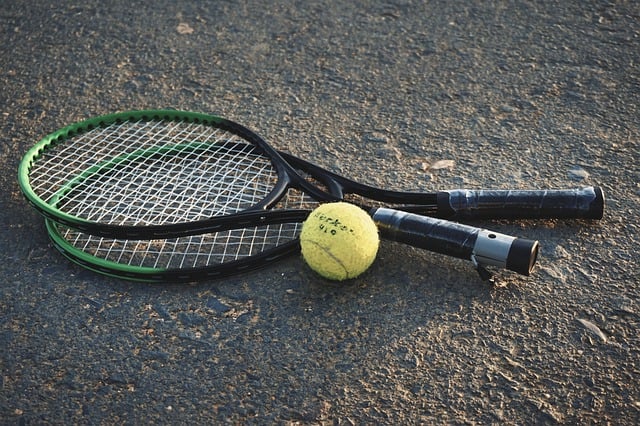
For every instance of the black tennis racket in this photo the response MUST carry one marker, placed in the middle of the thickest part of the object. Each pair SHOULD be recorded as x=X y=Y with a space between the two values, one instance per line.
x=168 y=174
x=256 y=239
x=160 y=174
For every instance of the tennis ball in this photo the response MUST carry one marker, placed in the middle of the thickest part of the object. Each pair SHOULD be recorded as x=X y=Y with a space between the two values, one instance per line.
x=339 y=241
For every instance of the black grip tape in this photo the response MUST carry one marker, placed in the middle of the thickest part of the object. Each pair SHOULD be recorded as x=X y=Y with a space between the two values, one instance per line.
x=582 y=203
x=437 y=235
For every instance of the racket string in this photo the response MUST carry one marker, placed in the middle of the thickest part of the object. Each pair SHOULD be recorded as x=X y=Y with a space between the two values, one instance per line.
x=67 y=159
x=197 y=251
x=185 y=252
x=153 y=170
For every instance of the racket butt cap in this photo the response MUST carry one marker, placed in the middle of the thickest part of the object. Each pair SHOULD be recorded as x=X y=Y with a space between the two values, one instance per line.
x=596 y=208
x=504 y=251
x=522 y=256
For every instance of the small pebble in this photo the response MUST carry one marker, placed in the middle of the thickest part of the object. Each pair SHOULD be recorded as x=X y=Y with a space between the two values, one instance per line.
x=593 y=329
x=442 y=164
x=216 y=305
x=578 y=173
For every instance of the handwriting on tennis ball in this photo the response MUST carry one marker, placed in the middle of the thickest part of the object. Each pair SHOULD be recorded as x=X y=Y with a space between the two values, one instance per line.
x=330 y=225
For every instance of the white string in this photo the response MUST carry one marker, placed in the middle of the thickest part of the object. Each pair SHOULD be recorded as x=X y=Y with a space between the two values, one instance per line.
x=180 y=185
x=197 y=250
x=186 y=184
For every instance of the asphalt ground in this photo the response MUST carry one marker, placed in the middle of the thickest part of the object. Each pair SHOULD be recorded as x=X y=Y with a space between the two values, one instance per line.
x=508 y=94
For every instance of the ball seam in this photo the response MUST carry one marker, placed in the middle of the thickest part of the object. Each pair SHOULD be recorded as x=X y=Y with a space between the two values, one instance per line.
x=332 y=256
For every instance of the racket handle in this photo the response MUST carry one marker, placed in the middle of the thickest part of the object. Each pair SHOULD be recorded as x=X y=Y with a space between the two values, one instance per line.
x=582 y=203
x=482 y=247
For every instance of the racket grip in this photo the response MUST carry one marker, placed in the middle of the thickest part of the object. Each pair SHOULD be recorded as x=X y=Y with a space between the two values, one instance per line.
x=582 y=203
x=482 y=247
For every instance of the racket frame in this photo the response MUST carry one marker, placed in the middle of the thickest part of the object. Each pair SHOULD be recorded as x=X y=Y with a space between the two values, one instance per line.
x=193 y=273
x=287 y=177
x=585 y=203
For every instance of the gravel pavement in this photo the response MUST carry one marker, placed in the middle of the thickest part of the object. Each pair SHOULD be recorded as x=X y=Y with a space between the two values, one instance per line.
x=405 y=94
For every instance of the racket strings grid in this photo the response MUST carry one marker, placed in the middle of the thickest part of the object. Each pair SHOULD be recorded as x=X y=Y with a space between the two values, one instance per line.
x=147 y=172
x=212 y=252
x=196 y=251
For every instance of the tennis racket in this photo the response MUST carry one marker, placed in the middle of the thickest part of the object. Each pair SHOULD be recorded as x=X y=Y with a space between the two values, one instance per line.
x=161 y=174
x=256 y=239
x=167 y=174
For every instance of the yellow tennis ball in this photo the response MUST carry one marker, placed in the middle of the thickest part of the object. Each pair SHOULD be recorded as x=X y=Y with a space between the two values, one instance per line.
x=339 y=241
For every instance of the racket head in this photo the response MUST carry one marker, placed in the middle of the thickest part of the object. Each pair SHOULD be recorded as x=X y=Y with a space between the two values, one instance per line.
x=151 y=173
x=255 y=240
x=183 y=259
